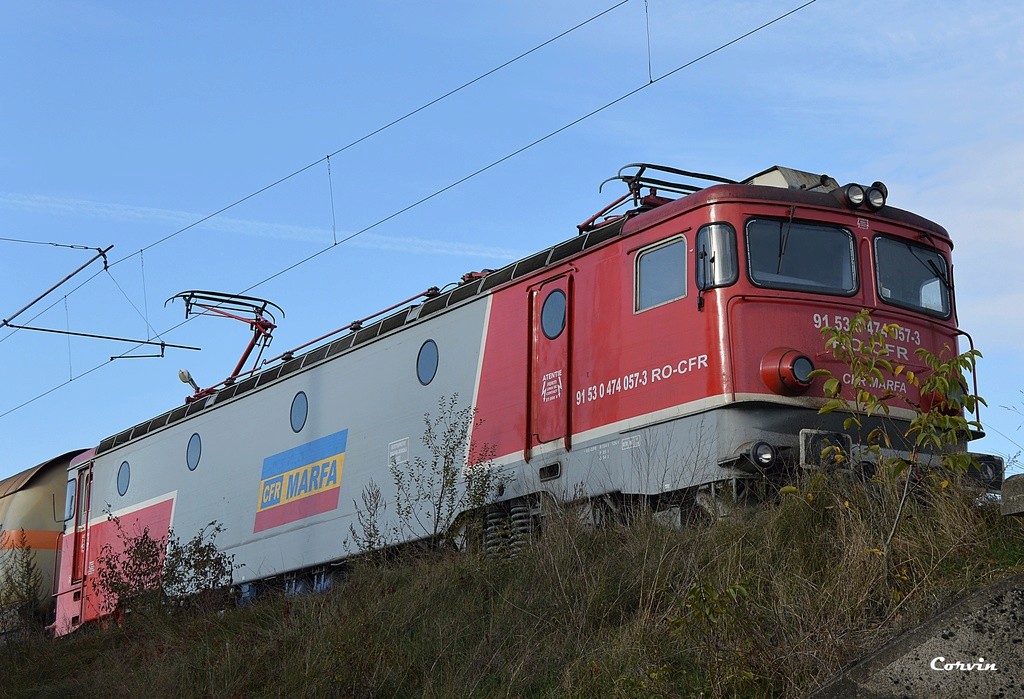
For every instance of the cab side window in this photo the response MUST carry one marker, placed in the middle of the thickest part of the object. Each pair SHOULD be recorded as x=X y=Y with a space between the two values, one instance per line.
x=716 y=263
x=660 y=274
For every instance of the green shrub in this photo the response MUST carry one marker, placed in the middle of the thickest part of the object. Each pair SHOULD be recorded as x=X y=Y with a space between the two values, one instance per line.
x=21 y=604
x=145 y=575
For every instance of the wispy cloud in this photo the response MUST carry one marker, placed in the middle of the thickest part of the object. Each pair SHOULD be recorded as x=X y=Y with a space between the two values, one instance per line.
x=237 y=226
x=972 y=193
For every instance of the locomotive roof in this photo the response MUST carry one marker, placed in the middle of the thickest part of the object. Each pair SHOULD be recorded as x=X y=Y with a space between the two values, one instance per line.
x=464 y=291
x=774 y=184
x=788 y=186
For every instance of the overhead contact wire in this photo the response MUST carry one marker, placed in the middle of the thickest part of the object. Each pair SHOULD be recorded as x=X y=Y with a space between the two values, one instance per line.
x=334 y=218
x=315 y=163
x=443 y=189
x=42 y=242
x=647 y=22
x=378 y=130
x=527 y=147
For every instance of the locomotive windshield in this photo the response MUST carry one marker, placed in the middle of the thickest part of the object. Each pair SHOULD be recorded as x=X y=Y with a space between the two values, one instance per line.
x=785 y=254
x=912 y=276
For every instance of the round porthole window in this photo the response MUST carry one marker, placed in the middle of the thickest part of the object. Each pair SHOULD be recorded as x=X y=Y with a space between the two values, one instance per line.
x=194 y=451
x=300 y=408
x=552 y=314
x=426 y=362
x=124 y=475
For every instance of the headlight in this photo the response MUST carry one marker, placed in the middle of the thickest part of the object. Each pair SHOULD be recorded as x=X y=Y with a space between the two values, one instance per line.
x=876 y=195
x=786 y=371
x=763 y=454
x=801 y=368
x=854 y=195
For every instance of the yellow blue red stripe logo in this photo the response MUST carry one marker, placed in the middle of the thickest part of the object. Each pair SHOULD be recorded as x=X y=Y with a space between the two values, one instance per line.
x=301 y=482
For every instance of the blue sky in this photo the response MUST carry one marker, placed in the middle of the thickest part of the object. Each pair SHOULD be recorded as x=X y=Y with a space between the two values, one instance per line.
x=122 y=123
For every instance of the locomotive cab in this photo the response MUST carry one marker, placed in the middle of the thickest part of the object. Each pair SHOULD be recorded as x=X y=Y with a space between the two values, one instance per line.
x=696 y=329
x=776 y=260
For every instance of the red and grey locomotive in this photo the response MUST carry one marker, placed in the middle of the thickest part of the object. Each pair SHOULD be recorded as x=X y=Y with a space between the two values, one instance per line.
x=662 y=355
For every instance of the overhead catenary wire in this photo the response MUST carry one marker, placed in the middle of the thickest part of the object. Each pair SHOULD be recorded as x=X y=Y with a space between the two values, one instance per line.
x=151 y=331
x=334 y=218
x=327 y=158
x=67 y=325
x=85 y=373
x=43 y=242
x=381 y=129
x=330 y=155
x=138 y=343
x=647 y=24
x=527 y=147
x=442 y=190
x=145 y=296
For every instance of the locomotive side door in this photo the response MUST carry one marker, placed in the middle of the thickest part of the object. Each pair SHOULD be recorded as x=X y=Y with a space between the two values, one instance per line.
x=550 y=341
x=81 y=523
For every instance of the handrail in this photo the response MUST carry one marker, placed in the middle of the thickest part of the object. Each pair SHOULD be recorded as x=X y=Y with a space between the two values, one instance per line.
x=974 y=377
x=57 y=555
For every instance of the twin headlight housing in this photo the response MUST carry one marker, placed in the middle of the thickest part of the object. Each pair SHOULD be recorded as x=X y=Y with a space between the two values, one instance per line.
x=858 y=196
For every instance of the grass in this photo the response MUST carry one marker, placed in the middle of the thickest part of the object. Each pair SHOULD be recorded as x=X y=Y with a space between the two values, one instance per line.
x=769 y=603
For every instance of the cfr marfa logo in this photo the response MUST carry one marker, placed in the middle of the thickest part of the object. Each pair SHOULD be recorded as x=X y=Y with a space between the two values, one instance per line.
x=301 y=482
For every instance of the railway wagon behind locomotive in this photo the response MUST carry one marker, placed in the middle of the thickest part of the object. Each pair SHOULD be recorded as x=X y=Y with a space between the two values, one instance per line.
x=31 y=507
x=663 y=354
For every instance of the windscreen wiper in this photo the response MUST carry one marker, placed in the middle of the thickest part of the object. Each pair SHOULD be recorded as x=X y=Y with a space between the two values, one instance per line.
x=784 y=239
x=932 y=267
